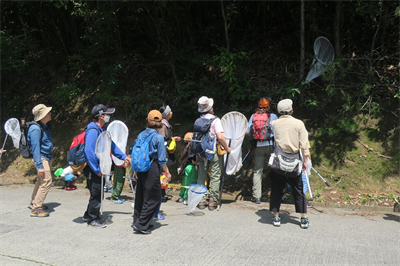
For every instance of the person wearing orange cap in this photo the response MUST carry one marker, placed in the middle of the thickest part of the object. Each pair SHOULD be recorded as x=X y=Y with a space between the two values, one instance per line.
x=148 y=186
x=263 y=139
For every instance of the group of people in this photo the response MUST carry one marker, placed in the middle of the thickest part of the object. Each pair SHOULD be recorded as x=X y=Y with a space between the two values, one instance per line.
x=288 y=133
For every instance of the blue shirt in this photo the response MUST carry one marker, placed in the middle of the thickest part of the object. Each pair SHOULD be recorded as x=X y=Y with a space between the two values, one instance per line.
x=41 y=147
x=90 y=147
x=157 y=149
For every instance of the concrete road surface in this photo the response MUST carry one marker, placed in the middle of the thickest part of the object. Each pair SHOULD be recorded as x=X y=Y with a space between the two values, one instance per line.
x=240 y=233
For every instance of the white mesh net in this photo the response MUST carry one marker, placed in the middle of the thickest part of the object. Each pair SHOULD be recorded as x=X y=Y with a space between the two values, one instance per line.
x=234 y=125
x=103 y=152
x=119 y=135
x=195 y=193
x=12 y=128
x=324 y=55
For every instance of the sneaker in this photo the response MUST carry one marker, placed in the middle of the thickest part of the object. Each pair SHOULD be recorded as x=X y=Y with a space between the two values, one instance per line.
x=276 y=221
x=257 y=201
x=304 y=223
x=73 y=188
x=118 y=201
x=85 y=218
x=158 y=217
x=43 y=207
x=185 y=202
x=168 y=197
x=97 y=224
x=202 y=205
x=39 y=213
x=180 y=200
x=146 y=232
x=212 y=205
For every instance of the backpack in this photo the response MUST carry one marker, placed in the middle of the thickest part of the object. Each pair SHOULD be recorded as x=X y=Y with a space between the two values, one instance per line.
x=203 y=142
x=140 y=154
x=23 y=141
x=261 y=127
x=76 y=154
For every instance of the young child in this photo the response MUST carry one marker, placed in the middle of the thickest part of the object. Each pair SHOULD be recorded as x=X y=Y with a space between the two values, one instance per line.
x=188 y=169
x=68 y=175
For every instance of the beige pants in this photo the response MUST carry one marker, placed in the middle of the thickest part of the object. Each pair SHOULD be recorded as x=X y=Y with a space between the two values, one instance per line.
x=42 y=186
x=260 y=158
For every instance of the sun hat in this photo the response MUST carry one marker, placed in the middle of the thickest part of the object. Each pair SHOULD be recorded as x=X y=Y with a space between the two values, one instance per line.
x=188 y=136
x=40 y=111
x=154 y=115
x=285 y=106
x=205 y=104
x=100 y=109
x=263 y=102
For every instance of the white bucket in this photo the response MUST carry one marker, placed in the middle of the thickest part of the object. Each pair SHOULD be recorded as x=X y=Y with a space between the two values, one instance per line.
x=196 y=192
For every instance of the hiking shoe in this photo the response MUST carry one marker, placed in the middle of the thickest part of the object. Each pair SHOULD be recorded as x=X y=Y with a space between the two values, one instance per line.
x=304 y=223
x=118 y=201
x=39 y=213
x=202 y=205
x=97 y=224
x=145 y=232
x=180 y=200
x=212 y=205
x=43 y=207
x=158 y=217
x=276 y=221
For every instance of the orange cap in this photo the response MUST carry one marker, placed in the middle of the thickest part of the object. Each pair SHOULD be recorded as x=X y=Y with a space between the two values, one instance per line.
x=154 y=115
x=263 y=102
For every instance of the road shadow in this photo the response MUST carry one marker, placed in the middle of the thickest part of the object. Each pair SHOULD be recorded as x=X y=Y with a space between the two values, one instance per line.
x=391 y=217
x=266 y=217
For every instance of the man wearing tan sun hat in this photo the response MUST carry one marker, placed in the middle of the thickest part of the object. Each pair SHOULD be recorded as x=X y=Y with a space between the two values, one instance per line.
x=41 y=145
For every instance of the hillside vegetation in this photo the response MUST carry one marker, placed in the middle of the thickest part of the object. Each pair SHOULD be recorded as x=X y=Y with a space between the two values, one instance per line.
x=138 y=55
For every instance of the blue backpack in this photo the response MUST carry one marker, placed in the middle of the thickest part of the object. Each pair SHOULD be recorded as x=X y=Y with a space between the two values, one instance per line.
x=140 y=154
x=203 y=143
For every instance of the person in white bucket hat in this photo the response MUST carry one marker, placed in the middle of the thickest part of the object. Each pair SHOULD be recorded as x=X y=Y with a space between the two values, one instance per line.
x=41 y=145
x=205 y=107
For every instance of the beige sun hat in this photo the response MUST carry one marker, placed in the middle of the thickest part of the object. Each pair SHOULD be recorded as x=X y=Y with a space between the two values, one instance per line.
x=205 y=104
x=40 y=111
x=285 y=106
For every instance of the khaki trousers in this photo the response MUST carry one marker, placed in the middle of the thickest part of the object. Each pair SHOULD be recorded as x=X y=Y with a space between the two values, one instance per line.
x=42 y=186
x=261 y=156
x=215 y=165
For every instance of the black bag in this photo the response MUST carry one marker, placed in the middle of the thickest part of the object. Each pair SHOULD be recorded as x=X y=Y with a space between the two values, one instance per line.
x=285 y=163
x=23 y=141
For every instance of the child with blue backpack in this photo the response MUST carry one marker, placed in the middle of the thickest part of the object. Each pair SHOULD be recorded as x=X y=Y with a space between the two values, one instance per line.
x=148 y=158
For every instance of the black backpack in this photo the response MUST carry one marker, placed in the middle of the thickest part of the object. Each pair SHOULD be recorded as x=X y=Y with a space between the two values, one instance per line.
x=200 y=128
x=23 y=141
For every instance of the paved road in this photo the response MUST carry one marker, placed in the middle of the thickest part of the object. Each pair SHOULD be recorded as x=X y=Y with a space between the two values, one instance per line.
x=239 y=234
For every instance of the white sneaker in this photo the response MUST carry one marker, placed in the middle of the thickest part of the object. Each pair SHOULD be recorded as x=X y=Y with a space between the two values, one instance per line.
x=185 y=202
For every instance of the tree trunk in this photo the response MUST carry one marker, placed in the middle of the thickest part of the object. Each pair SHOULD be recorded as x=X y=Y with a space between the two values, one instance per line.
x=225 y=25
x=338 y=20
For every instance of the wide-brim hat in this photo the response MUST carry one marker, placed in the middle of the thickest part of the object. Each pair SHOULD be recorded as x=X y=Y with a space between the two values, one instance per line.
x=40 y=111
x=205 y=104
x=100 y=109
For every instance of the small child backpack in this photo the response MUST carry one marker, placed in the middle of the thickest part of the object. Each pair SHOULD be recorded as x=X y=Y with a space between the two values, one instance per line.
x=140 y=154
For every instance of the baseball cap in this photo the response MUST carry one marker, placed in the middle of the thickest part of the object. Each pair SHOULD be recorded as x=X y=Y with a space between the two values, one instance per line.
x=100 y=109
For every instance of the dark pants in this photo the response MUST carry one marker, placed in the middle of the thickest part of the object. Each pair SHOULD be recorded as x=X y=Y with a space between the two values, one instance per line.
x=147 y=198
x=278 y=183
x=94 y=186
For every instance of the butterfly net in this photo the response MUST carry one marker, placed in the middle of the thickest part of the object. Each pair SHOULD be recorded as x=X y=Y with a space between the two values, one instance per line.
x=195 y=193
x=12 y=128
x=119 y=135
x=103 y=152
x=324 y=55
x=234 y=125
